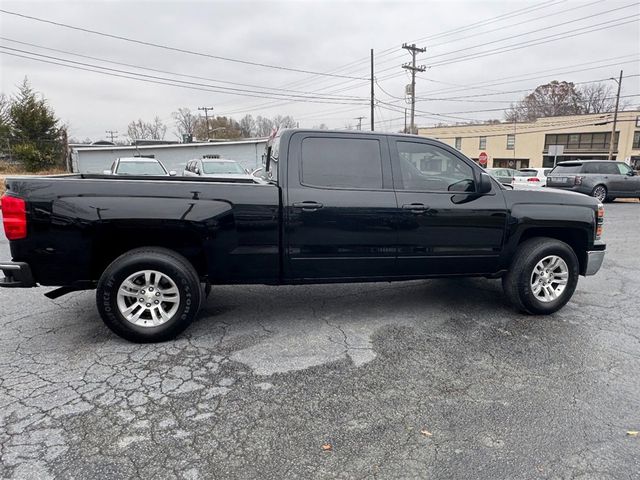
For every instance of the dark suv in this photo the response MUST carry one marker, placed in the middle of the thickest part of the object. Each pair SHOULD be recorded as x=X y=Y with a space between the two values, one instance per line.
x=603 y=179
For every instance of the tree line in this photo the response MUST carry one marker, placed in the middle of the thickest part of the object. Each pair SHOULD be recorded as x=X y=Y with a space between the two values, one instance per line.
x=31 y=134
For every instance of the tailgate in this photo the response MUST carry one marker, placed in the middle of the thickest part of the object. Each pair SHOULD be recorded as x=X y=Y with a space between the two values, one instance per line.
x=561 y=180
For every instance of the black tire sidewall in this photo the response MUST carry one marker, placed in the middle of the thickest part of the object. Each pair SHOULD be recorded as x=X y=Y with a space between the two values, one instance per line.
x=119 y=270
x=525 y=292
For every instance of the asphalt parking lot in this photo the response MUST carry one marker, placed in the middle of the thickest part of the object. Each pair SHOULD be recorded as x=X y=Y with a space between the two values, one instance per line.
x=423 y=379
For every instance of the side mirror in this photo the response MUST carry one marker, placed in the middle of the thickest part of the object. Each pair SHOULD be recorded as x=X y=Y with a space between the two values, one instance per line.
x=106 y=172
x=484 y=183
x=632 y=173
x=173 y=173
x=196 y=171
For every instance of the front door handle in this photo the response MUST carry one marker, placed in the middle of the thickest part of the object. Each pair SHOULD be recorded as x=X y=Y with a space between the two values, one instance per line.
x=308 y=206
x=416 y=208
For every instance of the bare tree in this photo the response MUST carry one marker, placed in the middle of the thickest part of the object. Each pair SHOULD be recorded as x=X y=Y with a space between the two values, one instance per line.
x=550 y=100
x=248 y=126
x=154 y=130
x=600 y=98
x=264 y=126
x=284 y=122
x=185 y=122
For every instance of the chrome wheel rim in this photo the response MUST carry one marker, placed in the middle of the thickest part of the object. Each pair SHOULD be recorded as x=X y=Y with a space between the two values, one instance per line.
x=549 y=278
x=148 y=298
x=600 y=193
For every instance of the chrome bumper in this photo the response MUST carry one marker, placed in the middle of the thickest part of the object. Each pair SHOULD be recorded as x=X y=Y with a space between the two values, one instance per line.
x=594 y=261
x=16 y=275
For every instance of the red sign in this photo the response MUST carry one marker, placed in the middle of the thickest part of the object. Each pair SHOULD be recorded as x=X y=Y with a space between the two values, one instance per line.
x=482 y=158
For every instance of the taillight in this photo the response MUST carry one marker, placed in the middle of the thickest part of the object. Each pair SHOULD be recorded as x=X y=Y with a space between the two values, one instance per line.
x=599 y=221
x=533 y=179
x=14 y=217
x=577 y=180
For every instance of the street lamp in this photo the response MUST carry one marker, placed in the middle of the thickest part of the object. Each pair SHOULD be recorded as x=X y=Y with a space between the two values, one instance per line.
x=615 y=116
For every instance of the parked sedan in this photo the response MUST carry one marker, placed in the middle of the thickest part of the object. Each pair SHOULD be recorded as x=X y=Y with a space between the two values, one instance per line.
x=605 y=180
x=503 y=175
x=217 y=168
x=536 y=177
x=138 y=166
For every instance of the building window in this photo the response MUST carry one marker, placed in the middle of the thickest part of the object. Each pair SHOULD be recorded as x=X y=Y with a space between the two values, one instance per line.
x=483 y=143
x=636 y=140
x=511 y=141
x=459 y=143
x=581 y=141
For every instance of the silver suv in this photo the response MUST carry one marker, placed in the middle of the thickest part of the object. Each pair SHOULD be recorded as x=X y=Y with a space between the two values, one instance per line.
x=603 y=179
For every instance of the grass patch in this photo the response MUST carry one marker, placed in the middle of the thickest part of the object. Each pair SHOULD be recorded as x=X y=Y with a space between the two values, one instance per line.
x=12 y=169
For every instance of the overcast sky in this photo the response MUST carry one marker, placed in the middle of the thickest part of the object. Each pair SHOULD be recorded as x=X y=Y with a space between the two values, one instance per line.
x=316 y=37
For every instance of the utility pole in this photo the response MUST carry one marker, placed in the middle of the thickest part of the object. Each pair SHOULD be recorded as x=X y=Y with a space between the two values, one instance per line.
x=206 y=116
x=405 y=121
x=359 y=122
x=615 y=117
x=112 y=133
x=372 y=91
x=413 y=50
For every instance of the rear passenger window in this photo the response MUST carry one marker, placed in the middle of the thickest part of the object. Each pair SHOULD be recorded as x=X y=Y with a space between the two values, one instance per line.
x=341 y=162
x=609 y=168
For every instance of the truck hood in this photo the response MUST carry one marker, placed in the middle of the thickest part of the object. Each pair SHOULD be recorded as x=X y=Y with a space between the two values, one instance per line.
x=550 y=196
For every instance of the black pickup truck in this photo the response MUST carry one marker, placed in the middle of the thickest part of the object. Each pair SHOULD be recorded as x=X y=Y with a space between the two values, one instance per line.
x=331 y=207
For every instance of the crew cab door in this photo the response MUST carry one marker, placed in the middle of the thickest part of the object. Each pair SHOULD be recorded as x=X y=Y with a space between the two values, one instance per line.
x=444 y=226
x=339 y=207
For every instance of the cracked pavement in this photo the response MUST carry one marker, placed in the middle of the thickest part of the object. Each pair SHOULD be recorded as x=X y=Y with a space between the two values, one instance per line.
x=267 y=375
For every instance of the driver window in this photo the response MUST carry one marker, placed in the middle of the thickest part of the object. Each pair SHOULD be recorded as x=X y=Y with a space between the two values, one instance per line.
x=430 y=168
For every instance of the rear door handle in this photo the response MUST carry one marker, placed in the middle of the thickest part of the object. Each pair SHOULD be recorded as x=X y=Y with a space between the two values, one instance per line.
x=308 y=206
x=415 y=207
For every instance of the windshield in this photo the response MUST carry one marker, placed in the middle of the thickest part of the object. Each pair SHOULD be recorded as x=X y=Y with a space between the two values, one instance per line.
x=222 y=168
x=529 y=173
x=140 y=168
x=571 y=168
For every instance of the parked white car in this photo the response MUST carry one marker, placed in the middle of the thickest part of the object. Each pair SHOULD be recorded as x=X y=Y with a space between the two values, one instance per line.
x=217 y=168
x=138 y=166
x=534 y=177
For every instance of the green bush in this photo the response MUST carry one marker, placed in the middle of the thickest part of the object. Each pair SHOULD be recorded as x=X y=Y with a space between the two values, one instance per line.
x=32 y=158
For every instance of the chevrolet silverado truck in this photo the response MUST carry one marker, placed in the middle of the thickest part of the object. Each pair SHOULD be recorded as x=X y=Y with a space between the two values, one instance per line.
x=330 y=207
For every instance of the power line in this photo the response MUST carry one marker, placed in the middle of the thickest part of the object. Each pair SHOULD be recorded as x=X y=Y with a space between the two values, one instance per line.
x=529 y=77
x=66 y=52
x=534 y=31
x=181 y=85
x=534 y=42
x=174 y=49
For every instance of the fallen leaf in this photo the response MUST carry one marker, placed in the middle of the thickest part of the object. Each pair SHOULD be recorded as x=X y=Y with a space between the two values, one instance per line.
x=632 y=433
x=327 y=447
x=426 y=432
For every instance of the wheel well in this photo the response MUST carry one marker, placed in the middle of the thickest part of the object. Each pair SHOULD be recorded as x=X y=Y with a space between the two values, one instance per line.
x=112 y=246
x=578 y=240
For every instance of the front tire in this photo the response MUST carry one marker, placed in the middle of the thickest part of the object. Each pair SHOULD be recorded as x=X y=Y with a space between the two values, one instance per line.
x=149 y=295
x=543 y=276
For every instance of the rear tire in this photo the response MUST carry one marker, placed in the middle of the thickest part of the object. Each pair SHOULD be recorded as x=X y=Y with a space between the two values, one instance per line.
x=149 y=294
x=600 y=193
x=543 y=276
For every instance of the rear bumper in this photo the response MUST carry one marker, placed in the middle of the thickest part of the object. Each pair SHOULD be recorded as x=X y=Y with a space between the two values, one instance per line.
x=594 y=261
x=16 y=275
